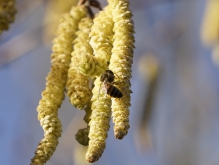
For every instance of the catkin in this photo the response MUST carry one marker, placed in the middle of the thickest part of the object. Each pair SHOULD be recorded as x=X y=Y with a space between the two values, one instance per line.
x=101 y=42
x=210 y=24
x=53 y=94
x=121 y=62
x=99 y=123
x=78 y=89
x=7 y=13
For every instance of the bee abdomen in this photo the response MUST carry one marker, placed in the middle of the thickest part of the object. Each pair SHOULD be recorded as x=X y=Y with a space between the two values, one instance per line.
x=114 y=92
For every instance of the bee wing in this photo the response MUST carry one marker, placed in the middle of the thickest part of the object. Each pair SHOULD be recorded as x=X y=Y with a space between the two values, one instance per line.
x=103 y=87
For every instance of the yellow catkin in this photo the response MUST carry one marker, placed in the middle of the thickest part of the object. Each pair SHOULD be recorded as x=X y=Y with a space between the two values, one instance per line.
x=210 y=24
x=101 y=42
x=78 y=89
x=7 y=13
x=99 y=123
x=121 y=62
x=53 y=94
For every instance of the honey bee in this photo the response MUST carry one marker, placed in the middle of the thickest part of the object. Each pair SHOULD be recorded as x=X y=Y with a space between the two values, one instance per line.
x=108 y=80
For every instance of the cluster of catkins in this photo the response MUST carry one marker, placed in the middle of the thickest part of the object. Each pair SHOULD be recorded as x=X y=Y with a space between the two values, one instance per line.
x=83 y=50
x=7 y=13
x=210 y=28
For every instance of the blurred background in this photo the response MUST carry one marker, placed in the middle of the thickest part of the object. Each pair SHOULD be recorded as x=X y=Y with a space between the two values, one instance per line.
x=174 y=116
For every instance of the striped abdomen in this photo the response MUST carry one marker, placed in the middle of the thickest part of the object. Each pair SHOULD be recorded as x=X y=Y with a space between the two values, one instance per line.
x=113 y=91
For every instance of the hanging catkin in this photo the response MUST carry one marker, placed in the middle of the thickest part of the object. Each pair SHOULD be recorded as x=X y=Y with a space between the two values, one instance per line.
x=78 y=89
x=121 y=62
x=101 y=41
x=53 y=94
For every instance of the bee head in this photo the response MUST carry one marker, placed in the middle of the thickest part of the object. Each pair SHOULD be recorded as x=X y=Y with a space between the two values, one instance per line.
x=108 y=76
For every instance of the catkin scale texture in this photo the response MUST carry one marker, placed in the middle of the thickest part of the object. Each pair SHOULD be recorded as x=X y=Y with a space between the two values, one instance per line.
x=53 y=94
x=78 y=89
x=101 y=36
x=101 y=42
x=99 y=122
x=121 y=62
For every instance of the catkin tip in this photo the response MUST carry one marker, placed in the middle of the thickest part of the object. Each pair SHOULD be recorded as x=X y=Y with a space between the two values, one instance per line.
x=92 y=158
x=119 y=134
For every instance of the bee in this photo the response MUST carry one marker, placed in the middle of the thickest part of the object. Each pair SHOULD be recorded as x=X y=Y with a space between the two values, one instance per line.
x=107 y=79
